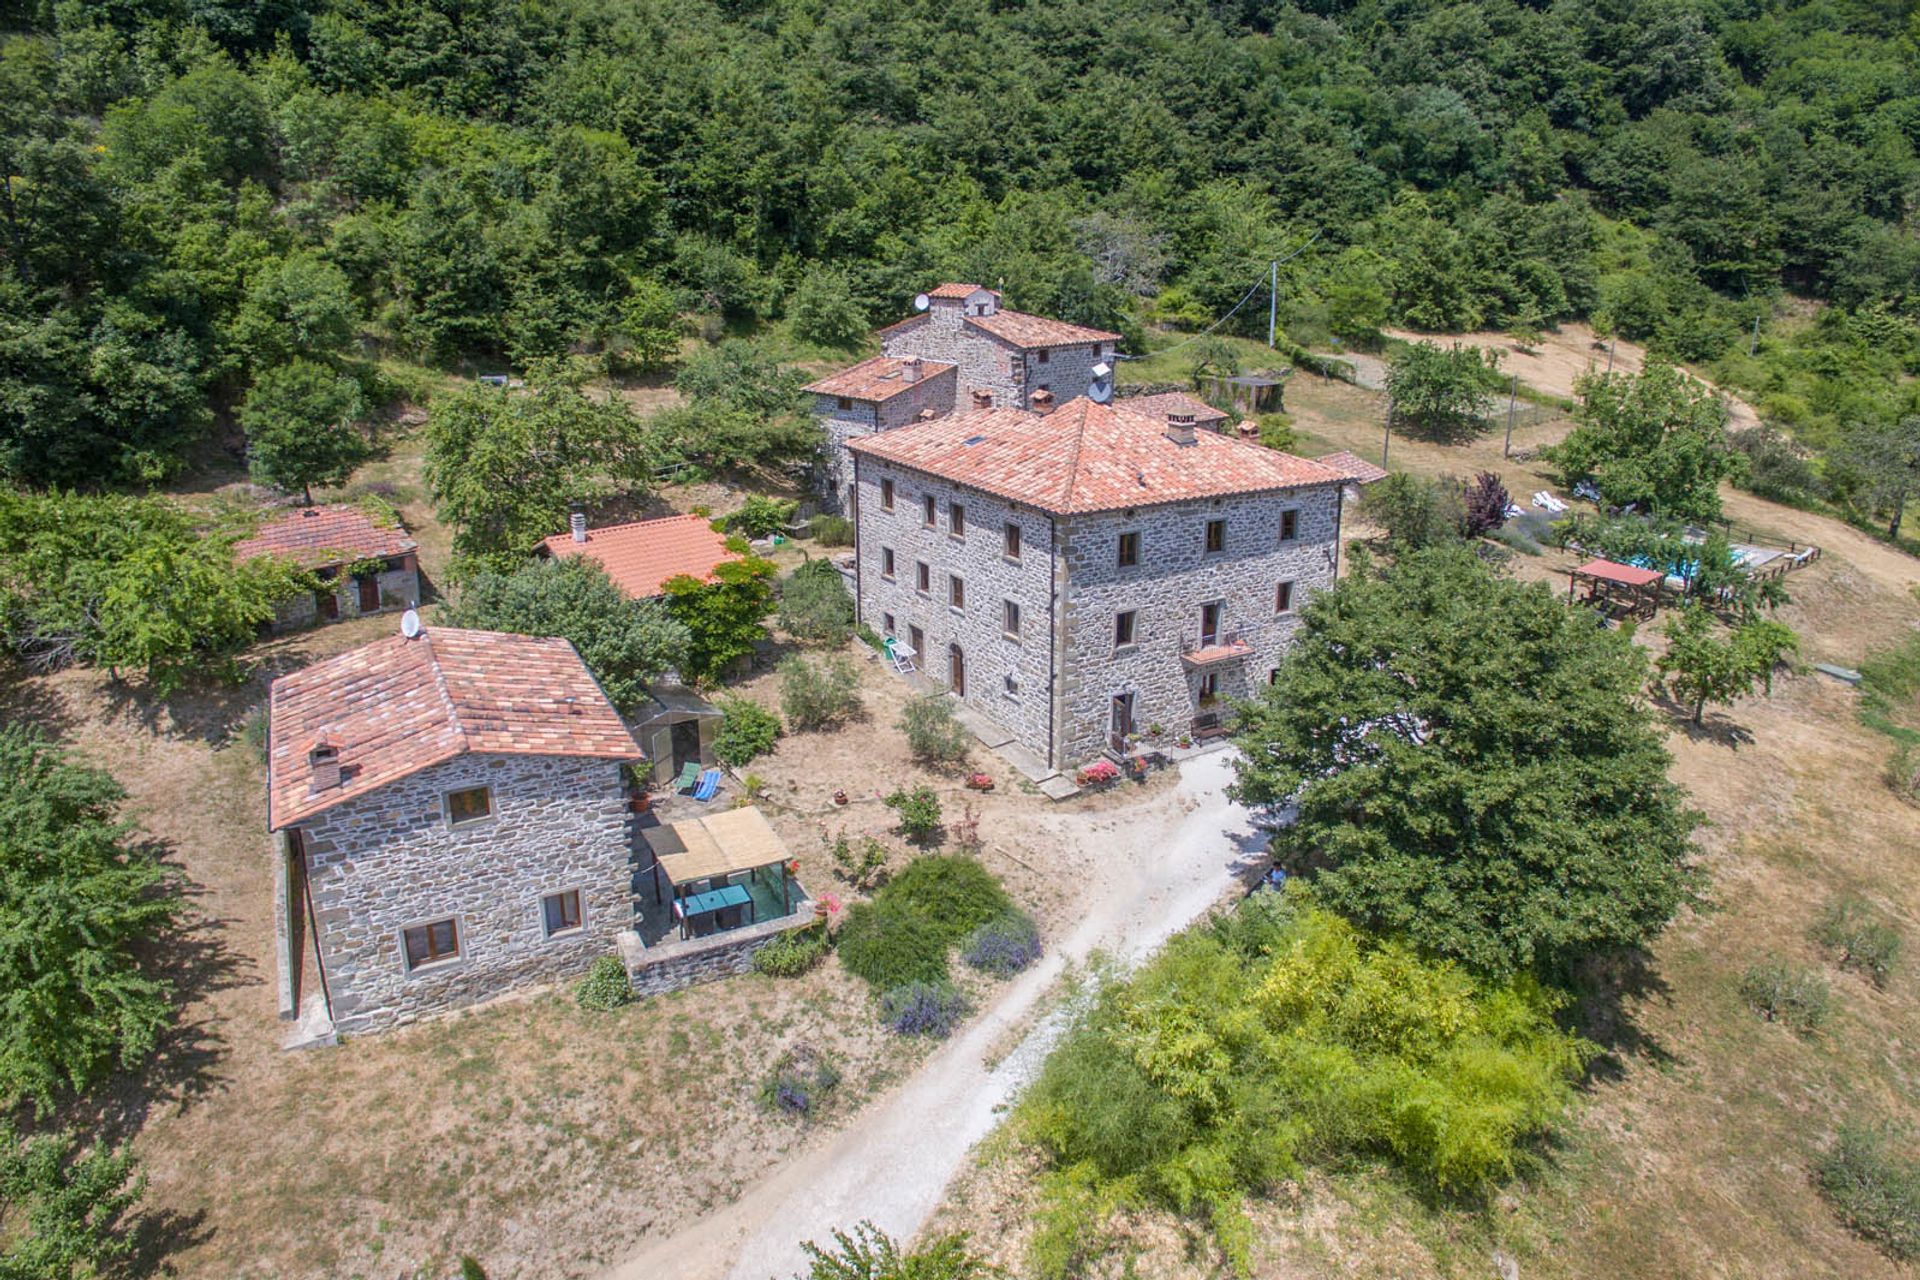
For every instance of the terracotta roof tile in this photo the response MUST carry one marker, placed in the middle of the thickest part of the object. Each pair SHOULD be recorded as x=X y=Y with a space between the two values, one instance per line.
x=880 y=378
x=1087 y=457
x=397 y=706
x=1023 y=330
x=954 y=289
x=1354 y=467
x=641 y=556
x=1159 y=406
x=314 y=537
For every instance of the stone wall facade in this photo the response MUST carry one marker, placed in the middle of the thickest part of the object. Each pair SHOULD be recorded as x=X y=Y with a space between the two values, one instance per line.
x=398 y=584
x=1001 y=369
x=1007 y=676
x=842 y=418
x=1175 y=577
x=669 y=966
x=390 y=860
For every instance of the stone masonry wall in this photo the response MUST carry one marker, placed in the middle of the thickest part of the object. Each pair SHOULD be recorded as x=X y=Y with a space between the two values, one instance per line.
x=834 y=476
x=990 y=577
x=1174 y=578
x=389 y=860
x=399 y=589
x=1067 y=371
x=671 y=965
x=990 y=364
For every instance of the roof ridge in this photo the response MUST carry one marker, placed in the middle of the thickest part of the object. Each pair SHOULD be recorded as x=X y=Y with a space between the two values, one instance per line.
x=440 y=686
x=1079 y=443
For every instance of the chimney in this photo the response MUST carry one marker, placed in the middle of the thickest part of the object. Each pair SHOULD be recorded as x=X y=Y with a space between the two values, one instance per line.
x=983 y=399
x=579 y=522
x=1250 y=430
x=910 y=368
x=928 y=415
x=1180 y=428
x=323 y=760
x=1041 y=401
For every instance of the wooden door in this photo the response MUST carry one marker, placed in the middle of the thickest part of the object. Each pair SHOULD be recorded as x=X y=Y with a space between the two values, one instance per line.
x=1122 y=720
x=369 y=593
x=957 y=670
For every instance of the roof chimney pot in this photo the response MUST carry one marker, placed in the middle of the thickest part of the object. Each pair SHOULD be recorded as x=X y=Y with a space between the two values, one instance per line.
x=1180 y=429
x=578 y=520
x=1041 y=401
x=983 y=399
x=910 y=368
x=323 y=762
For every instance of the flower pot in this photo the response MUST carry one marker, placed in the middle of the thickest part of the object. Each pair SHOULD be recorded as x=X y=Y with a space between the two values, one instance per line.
x=839 y=797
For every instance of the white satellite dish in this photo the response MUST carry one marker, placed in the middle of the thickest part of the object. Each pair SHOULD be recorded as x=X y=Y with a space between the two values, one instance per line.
x=410 y=623
x=921 y=302
x=1103 y=371
x=1100 y=392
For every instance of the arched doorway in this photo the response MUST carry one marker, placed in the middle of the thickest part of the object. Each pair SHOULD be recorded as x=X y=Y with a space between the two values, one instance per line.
x=957 y=670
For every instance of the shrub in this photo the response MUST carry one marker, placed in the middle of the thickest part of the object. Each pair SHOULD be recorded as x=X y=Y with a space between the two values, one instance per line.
x=1004 y=945
x=1783 y=993
x=816 y=694
x=870 y=1254
x=1484 y=504
x=815 y=605
x=1414 y=511
x=470 y=1268
x=918 y=812
x=606 y=985
x=831 y=531
x=861 y=868
x=823 y=309
x=792 y=954
x=747 y=730
x=1276 y=432
x=957 y=895
x=1097 y=774
x=1876 y=1190
x=800 y=1079
x=933 y=735
x=762 y=517
x=923 y=1009
x=1862 y=942
x=889 y=945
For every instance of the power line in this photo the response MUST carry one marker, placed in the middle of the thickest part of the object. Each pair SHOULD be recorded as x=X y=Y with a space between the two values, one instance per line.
x=1274 y=272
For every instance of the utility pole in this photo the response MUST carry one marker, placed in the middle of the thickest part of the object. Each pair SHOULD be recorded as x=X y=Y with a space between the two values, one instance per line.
x=1610 y=346
x=1273 y=298
x=1753 y=344
x=1386 y=437
x=1513 y=394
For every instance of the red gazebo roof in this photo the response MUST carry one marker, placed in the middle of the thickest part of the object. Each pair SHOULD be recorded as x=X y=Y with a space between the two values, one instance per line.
x=1626 y=575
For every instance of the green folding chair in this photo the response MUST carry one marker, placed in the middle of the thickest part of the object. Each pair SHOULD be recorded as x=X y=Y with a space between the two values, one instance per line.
x=689 y=777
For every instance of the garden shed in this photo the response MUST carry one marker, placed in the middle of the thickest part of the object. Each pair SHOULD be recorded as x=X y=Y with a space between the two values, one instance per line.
x=675 y=727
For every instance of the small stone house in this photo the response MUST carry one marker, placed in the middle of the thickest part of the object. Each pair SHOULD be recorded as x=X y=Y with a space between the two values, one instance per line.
x=450 y=821
x=875 y=395
x=365 y=566
x=1005 y=358
x=642 y=556
x=1082 y=575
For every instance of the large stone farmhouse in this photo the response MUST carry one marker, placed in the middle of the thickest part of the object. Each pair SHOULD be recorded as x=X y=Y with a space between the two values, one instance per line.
x=364 y=566
x=962 y=350
x=450 y=820
x=1082 y=574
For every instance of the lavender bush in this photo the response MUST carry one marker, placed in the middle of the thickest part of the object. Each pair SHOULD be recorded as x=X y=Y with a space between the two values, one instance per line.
x=799 y=1081
x=923 y=1009
x=1004 y=945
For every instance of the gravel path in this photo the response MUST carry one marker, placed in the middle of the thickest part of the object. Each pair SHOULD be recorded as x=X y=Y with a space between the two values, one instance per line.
x=1175 y=857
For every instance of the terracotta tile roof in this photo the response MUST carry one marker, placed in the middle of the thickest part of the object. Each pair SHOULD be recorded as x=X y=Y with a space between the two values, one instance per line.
x=1023 y=330
x=880 y=378
x=952 y=289
x=1159 y=406
x=641 y=556
x=397 y=706
x=314 y=537
x=1087 y=457
x=1354 y=467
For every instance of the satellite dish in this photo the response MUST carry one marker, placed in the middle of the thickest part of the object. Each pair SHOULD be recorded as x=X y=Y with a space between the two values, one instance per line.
x=921 y=302
x=1102 y=371
x=1100 y=392
x=410 y=623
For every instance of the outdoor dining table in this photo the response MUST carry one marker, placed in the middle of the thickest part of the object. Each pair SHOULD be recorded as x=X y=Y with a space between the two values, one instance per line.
x=700 y=904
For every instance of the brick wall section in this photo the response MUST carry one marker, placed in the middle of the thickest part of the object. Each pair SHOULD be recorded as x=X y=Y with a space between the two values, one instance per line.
x=990 y=578
x=1174 y=578
x=388 y=860
x=399 y=588
x=864 y=417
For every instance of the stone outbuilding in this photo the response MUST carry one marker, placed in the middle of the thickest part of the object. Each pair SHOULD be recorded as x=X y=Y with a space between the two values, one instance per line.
x=451 y=821
x=642 y=556
x=1085 y=575
x=365 y=564
x=874 y=395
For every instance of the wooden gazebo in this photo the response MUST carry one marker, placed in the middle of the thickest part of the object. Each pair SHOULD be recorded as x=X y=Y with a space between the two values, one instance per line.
x=712 y=864
x=1623 y=590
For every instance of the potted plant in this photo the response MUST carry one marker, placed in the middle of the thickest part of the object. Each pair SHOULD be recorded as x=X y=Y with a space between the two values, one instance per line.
x=1184 y=741
x=979 y=782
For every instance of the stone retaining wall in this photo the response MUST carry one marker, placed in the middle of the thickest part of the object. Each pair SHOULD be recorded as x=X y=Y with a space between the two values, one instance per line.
x=669 y=966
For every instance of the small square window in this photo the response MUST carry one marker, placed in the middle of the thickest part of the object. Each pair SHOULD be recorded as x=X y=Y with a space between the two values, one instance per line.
x=1216 y=536
x=1123 y=629
x=1012 y=548
x=927 y=512
x=1283 y=598
x=922 y=577
x=886 y=623
x=1011 y=683
x=886 y=562
x=1043 y=355
x=956 y=520
x=433 y=943
x=474 y=804
x=1011 y=622
x=845 y=403
x=886 y=495
x=1273 y=675
x=1129 y=552
x=1289 y=525
x=560 y=912
x=956 y=591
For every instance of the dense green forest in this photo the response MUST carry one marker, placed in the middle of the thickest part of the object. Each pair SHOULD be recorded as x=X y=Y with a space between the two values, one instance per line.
x=200 y=195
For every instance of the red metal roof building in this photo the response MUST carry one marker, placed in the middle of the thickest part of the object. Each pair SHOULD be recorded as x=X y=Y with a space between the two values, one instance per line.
x=397 y=706
x=642 y=556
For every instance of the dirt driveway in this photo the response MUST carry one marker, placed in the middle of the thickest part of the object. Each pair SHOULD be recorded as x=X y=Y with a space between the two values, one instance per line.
x=1159 y=865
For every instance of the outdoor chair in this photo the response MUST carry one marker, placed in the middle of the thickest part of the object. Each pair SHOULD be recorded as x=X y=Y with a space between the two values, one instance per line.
x=709 y=786
x=689 y=777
